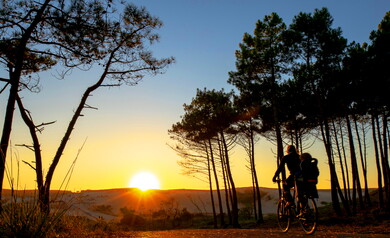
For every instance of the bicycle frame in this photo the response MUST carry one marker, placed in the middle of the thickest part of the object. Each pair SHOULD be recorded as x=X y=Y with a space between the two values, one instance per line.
x=307 y=212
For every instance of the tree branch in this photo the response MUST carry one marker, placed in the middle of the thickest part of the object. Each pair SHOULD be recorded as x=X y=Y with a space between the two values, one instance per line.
x=74 y=119
x=30 y=147
x=37 y=148
x=43 y=124
x=4 y=80
x=90 y=107
x=5 y=86
x=29 y=164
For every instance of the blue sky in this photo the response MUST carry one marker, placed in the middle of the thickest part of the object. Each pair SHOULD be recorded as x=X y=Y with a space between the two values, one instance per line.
x=128 y=133
x=203 y=35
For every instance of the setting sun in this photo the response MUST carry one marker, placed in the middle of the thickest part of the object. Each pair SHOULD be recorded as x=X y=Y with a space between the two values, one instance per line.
x=144 y=181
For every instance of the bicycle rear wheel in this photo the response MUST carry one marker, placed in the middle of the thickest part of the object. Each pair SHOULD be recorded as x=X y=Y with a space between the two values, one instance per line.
x=309 y=216
x=283 y=215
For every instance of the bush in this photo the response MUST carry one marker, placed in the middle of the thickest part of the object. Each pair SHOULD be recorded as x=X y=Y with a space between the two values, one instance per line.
x=105 y=209
x=81 y=226
x=25 y=219
x=130 y=219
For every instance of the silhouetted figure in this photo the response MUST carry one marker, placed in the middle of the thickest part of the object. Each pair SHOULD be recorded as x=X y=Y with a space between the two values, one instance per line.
x=293 y=164
x=310 y=172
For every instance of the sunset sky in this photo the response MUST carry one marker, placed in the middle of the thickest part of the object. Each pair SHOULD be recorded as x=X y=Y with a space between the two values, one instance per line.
x=129 y=131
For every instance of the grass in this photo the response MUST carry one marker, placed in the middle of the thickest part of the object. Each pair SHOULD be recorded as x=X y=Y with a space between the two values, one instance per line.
x=24 y=219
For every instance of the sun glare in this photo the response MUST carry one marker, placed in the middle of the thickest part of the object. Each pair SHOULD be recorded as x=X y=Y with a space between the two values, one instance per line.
x=144 y=181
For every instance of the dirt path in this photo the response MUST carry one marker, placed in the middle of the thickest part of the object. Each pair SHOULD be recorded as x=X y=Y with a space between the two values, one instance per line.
x=325 y=231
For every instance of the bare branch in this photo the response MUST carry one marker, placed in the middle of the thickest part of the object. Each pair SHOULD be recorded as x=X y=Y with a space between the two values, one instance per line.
x=111 y=85
x=90 y=107
x=48 y=53
x=29 y=164
x=5 y=86
x=132 y=70
x=56 y=44
x=46 y=123
x=30 y=147
x=4 y=80
x=42 y=125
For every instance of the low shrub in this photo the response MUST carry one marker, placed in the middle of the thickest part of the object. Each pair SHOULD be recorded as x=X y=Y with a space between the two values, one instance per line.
x=25 y=219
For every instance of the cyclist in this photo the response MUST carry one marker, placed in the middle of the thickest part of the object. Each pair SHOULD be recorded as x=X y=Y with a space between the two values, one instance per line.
x=293 y=164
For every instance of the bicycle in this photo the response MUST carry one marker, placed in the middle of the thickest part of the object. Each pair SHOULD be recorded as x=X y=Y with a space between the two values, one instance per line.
x=305 y=211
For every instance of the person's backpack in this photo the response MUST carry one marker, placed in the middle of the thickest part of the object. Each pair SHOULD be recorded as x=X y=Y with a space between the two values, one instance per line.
x=310 y=171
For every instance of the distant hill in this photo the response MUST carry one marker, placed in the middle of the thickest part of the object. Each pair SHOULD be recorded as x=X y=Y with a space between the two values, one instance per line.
x=107 y=203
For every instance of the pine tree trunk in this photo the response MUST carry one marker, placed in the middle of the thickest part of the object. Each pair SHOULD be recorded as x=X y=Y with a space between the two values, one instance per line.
x=386 y=158
x=341 y=161
x=38 y=156
x=355 y=173
x=254 y=172
x=378 y=164
x=217 y=185
x=225 y=182
x=346 y=163
x=254 y=196
x=235 y=222
x=211 y=188
x=297 y=144
x=333 y=175
x=7 y=127
x=279 y=143
x=385 y=170
x=363 y=163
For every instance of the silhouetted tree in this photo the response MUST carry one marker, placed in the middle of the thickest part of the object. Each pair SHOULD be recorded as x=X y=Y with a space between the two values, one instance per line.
x=379 y=54
x=344 y=168
x=261 y=62
x=248 y=128
x=297 y=126
x=35 y=36
x=193 y=145
x=319 y=48
x=354 y=73
x=221 y=116
x=356 y=187
x=19 y=27
x=206 y=120
x=367 y=79
x=119 y=48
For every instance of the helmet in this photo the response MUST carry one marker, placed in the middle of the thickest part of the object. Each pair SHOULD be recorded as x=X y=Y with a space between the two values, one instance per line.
x=291 y=149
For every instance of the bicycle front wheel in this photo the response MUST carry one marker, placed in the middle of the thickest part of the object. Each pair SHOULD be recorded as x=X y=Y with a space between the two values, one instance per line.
x=309 y=216
x=283 y=215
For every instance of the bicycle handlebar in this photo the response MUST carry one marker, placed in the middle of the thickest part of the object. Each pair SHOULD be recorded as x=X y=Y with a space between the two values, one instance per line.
x=278 y=180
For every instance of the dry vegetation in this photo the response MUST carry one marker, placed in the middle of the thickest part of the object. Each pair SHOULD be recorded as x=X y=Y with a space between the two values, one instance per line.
x=170 y=220
x=329 y=227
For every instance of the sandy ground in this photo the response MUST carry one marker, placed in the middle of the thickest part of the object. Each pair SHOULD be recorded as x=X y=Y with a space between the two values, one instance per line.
x=295 y=231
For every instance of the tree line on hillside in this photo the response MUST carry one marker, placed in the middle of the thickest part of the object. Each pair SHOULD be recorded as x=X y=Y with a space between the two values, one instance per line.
x=111 y=37
x=295 y=84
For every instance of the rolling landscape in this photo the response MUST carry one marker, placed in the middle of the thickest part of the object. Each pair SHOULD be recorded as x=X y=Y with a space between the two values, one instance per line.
x=100 y=213
x=107 y=203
